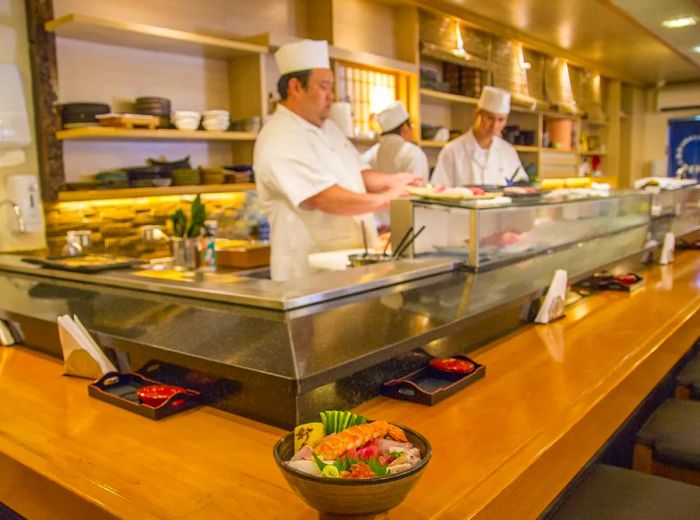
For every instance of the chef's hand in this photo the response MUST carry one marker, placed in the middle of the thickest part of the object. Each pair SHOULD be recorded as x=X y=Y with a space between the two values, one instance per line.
x=407 y=178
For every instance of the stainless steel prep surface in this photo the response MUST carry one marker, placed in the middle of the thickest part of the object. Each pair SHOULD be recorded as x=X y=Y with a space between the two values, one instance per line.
x=249 y=290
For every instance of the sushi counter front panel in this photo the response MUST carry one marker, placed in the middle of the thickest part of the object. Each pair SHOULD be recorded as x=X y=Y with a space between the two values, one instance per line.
x=282 y=367
x=503 y=448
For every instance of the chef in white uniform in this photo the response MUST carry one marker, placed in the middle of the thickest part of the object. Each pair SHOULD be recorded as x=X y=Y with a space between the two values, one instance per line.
x=481 y=156
x=312 y=183
x=396 y=152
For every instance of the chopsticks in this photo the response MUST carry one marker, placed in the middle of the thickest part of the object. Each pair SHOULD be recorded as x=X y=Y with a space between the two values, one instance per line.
x=401 y=249
x=403 y=239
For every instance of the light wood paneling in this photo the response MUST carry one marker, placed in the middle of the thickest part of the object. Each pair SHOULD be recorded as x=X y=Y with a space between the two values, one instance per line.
x=101 y=132
x=128 y=193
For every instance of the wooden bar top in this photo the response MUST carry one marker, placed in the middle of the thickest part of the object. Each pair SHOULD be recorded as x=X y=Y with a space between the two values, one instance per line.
x=502 y=448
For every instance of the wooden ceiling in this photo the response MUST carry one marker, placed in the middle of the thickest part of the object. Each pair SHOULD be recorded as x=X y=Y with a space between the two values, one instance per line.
x=594 y=34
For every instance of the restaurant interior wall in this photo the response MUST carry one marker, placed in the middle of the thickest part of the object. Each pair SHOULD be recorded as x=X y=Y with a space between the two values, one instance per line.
x=15 y=49
x=117 y=75
x=654 y=151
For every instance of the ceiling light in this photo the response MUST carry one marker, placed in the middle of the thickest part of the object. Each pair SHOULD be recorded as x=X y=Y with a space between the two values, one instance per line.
x=696 y=49
x=681 y=21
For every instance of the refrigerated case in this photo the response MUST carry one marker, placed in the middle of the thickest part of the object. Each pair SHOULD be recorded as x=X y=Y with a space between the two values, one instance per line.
x=487 y=237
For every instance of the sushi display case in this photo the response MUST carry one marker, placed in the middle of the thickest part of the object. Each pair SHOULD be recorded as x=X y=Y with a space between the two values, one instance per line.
x=488 y=237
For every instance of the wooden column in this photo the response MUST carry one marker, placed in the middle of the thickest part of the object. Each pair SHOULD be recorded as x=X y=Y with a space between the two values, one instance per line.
x=42 y=54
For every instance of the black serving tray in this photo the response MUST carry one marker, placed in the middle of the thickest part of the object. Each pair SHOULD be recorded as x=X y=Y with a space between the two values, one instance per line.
x=598 y=283
x=684 y=244
x=120 y=390
x=61 y=262
x=429 y=386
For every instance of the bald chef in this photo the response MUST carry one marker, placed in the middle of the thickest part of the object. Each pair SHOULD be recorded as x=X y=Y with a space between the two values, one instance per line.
x=312 y=182
x=481 y=156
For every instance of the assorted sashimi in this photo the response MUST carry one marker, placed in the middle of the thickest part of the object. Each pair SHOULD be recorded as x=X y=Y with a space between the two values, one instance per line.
x=457 y=193
x=346 y=445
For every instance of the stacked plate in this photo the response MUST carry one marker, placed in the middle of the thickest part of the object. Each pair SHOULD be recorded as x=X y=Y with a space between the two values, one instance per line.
x=81 y=114
x=154 y=106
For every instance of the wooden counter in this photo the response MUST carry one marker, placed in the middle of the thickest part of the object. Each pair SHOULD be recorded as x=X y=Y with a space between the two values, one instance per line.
x=502 y=448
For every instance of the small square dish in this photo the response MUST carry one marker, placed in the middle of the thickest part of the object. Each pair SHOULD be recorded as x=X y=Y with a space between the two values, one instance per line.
x=429 y=385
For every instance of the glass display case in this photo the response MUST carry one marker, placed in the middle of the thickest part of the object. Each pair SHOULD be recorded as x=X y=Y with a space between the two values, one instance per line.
x=490 y=236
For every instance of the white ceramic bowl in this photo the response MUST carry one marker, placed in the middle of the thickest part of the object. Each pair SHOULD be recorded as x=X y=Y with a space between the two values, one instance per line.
x=216 y=113
x=186 y=113
x=215 y=125
x=186 y=124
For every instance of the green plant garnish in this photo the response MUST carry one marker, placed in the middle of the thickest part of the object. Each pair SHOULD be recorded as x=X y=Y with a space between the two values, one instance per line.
x=179 y=220
x=335 y=421
x=199 y=216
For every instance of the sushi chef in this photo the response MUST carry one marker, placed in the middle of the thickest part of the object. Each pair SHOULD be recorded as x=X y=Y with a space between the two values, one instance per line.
x=481 y=156
x=313 y=185
x=396 y=151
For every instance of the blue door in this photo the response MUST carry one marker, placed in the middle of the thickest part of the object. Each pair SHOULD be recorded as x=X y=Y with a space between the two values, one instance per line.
x=684 y=147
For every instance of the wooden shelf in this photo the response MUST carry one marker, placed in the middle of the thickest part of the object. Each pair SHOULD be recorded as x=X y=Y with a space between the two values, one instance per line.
x=594 y=152
x=432 y=144
x=594 y=122
x=526 y=149
x=149 y=37
x=87 y=195
x=558 y=150
x=104 y=132
x=364 y=140
x=447 y=97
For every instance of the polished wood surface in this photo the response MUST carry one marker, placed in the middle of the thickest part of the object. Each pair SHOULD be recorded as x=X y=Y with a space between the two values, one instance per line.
x=502 y=448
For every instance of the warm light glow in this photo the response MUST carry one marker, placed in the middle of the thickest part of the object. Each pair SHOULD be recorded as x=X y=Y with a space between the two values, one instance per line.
x=696 y=49
x=82 y=205
x=682 y=21
x=368 y=91
x=459 y=50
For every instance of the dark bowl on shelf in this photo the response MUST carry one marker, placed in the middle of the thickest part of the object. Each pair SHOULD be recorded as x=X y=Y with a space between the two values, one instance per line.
x=339 y=496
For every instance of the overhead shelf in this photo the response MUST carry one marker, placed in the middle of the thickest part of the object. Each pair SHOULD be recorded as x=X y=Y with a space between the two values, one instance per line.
x=432 y=144
x=448 y=97
x=87 y=195
x=104 y=132
x=594 y=152
x=148 y=37
x=526 y=149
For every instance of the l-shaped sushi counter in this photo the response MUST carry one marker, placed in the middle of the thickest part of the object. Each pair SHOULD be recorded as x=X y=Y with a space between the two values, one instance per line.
x=281 y=352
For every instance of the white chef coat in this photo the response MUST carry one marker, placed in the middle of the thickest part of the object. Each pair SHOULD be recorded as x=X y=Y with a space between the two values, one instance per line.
x=293 y=161
x=396 y=155
x=463 y=161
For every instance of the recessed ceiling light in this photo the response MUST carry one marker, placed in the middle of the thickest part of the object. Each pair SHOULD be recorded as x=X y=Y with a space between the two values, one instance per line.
x=696 y=49
x=681 y=21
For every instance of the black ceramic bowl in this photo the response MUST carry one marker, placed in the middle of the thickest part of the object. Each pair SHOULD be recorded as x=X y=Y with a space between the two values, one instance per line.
x=339 y=496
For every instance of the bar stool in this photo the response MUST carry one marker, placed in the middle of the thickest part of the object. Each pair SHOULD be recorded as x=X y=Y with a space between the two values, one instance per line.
x=611 y=493
x=669 y=442
x=688 y=381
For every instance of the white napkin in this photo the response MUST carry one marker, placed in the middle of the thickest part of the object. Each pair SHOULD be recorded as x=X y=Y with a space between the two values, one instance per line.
x=553 y=305
x=82 y=356
x=667 y=249
x=6 y=336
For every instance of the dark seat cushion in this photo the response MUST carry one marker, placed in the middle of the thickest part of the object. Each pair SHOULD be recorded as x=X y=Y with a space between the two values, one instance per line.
x=690 y=377
x=673 y=432
x=610 y=493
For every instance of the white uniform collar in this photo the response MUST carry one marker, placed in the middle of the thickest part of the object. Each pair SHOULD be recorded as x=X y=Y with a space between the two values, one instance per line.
x=284 y=111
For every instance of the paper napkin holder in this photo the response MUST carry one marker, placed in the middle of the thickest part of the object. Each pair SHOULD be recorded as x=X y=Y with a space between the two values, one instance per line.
x=555 y=299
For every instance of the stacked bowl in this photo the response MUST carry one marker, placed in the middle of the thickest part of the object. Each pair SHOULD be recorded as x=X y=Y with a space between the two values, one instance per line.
x=81 y=114
x=216 y=120
x=154 y=106
x=186 y=120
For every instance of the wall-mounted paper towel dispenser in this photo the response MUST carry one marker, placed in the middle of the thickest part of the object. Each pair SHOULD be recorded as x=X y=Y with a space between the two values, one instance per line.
x=14 y=124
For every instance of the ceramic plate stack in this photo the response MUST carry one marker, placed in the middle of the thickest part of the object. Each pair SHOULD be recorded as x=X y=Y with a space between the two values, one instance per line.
x=154 y=106
x=186 y=177
x=75 y=115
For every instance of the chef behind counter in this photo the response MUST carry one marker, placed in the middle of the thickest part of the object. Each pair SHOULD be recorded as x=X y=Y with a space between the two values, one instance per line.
x=312 y=182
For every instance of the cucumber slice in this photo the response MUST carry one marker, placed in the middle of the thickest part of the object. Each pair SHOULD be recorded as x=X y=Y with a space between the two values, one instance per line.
x=324 y=421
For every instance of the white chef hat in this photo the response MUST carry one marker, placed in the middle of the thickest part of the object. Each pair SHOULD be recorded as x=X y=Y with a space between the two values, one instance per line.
x=495 y=100
x=392 y=116
x=302 y=55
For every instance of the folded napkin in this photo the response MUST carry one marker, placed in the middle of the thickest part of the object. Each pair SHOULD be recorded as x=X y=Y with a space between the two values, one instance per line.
x=553 y=305
x=82 y=356
x=668 y=249
x=6 y=336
